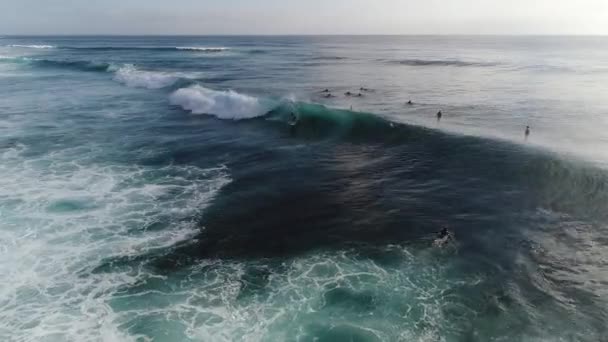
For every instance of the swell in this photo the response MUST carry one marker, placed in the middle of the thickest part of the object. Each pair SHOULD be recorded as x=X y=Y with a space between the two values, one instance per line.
x=374 y=183
x=203 y=49
x=127 y=74
x=439 y=62
x=561 y=183
x=58 y=63
x=579 y=187
x=329 y=58
x=76 y=65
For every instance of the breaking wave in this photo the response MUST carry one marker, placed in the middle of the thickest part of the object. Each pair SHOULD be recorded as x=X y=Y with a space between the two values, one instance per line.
x=222 y=104
x=130 y=76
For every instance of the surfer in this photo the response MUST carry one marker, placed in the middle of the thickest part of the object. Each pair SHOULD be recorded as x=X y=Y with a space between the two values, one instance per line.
x=348 y=93
x=410 y=102
x=527 y=133
x=363 y=89
x=439 y=115
x=359 y=95
x=328 y=95
x=325 y=91
x=293 y=121
x=443 y=238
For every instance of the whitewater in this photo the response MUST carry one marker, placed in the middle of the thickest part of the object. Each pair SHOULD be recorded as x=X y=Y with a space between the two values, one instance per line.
x=159 y=188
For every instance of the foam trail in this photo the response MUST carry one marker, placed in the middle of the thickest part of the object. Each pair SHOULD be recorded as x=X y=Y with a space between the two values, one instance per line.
x=222 y=104
x=32 y=46
x=202 y=48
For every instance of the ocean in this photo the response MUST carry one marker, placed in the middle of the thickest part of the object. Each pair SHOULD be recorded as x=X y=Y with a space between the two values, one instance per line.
x=209 y=189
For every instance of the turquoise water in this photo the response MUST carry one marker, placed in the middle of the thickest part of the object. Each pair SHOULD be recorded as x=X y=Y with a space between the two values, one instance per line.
x=153 y=189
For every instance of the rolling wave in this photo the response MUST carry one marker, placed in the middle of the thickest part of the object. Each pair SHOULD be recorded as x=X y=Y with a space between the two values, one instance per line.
x=133 y=77
x=150 y=48
x=76 y=65
x=127 y=74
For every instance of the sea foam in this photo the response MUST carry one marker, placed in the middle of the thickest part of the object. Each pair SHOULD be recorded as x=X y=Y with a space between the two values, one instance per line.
x=32 y=46
x=202 y=48
x=63 y=216
x=222 y=104
x=132 y=77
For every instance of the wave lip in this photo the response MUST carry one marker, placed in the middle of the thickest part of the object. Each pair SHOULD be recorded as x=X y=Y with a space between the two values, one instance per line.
x=202 y=48
x=34 y=46
x=222 y=104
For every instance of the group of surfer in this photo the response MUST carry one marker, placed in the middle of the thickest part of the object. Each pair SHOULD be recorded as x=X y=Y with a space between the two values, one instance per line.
x=440 y=115
x=327 y=93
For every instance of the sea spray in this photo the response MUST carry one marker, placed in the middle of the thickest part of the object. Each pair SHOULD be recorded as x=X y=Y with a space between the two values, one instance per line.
x=222 y=104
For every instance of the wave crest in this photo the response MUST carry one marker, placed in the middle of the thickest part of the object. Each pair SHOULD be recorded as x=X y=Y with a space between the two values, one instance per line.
x=130 y=76
x=202 y=48
x=222 y=104
x=32 y=46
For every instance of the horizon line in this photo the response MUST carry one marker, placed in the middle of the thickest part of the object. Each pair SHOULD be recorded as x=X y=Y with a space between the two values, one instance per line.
x=2 y=35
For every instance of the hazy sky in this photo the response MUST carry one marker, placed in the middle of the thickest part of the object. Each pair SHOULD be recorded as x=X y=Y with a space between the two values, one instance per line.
x=304 y=17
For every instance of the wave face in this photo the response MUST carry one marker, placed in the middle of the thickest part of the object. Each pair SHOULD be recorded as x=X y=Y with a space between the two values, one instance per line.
x=222 y=104
x=79 y=65
x=69 y=64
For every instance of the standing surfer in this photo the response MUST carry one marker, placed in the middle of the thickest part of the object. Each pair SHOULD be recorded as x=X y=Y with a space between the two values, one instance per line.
x=293 y=121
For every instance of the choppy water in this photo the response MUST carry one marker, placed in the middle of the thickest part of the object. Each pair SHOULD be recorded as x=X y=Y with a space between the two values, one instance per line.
x=152 y=189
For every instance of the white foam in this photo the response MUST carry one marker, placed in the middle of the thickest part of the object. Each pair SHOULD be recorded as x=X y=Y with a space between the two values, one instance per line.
x=62 y=215
x=132 y=77
x=32 y=46
x=222 y=104
x=202 y=48
x=222 y=306
x=129 y=75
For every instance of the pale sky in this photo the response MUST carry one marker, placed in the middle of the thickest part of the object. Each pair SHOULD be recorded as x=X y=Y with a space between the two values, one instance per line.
x=304 y=17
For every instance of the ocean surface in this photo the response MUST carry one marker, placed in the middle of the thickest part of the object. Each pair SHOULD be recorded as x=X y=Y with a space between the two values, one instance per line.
x=159 y=189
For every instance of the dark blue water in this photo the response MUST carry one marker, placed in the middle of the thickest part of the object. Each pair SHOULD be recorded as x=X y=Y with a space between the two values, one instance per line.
x=157 y=188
